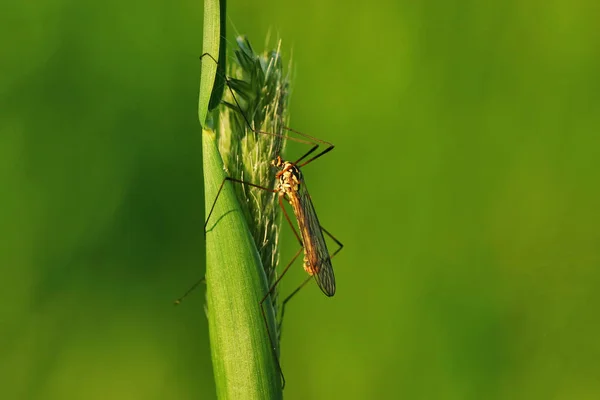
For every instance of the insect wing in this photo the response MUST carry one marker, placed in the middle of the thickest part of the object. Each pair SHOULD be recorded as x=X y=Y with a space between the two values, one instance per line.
x=314 y=243
x=325 y=278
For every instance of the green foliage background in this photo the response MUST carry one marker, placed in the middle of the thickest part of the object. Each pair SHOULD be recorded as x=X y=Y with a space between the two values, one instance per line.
x=464 y=185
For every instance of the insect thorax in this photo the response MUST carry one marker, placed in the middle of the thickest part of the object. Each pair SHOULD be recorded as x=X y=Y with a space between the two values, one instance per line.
x=289 y=176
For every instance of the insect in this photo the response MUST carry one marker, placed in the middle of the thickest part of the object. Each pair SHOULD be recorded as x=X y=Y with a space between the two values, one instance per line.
x=292 y=188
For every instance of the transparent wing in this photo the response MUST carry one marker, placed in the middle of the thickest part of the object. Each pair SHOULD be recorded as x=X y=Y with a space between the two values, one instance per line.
x=325 y=278
x=315 y=248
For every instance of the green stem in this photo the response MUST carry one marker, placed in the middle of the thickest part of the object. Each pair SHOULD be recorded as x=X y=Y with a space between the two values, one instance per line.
x=243 y=361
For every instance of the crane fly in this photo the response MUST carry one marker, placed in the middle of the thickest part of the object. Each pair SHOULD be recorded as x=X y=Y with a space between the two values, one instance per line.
x=291 y=187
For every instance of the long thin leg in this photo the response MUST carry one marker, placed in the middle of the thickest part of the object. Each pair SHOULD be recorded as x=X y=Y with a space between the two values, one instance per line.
x=203 y=280
x=221 y=188
x=262 y=310
x=190 y=290
x=316 y=143
x=287 y=217
x=283 y=304
x=335 y=240
x=311 y=140
x=289 y=297
x=274 y=285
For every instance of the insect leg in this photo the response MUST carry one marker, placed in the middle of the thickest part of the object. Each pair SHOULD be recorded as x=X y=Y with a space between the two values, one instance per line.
x=190 y=290
x=335 y=240
x=284 y=302
x=203 y=280
x=221 y=188
x=274 y=285
x=312 y=140
x=262 y=310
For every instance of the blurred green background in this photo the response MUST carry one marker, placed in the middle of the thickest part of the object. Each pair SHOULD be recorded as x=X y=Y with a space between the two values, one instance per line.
x=464 y=185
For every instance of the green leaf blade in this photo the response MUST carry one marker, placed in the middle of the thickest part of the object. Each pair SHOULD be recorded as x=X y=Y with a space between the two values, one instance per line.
x=212 y=83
